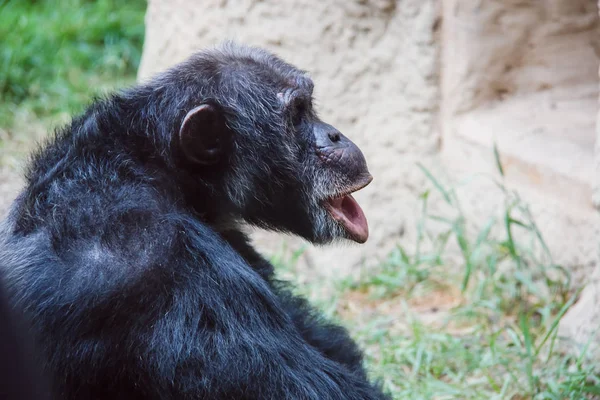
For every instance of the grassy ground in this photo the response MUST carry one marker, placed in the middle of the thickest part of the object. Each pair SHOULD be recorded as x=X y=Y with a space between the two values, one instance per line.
x=55 y=55
x=482 y=325
x=476 y=322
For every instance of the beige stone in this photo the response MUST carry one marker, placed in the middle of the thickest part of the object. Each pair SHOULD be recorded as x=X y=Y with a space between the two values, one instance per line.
x=523 y=74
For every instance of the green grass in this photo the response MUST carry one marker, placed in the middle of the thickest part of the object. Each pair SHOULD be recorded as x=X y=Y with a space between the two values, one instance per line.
x=55 y=55
x=463 y=314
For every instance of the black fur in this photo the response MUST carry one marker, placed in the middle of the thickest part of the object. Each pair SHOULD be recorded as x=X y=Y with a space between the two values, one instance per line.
x=20 y=376
x=127 y=257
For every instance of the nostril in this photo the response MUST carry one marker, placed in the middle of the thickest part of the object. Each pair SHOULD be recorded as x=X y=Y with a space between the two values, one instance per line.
x=334 y=136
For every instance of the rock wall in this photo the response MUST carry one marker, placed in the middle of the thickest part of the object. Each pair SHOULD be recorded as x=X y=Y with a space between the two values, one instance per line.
x=496 y=49
x=374 y=63
x=524 y=75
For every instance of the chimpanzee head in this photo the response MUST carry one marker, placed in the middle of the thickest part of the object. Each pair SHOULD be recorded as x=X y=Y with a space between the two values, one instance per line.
x=249 y=129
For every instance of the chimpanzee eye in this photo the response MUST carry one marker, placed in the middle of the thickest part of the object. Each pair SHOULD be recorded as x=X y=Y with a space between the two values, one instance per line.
x=298 y=111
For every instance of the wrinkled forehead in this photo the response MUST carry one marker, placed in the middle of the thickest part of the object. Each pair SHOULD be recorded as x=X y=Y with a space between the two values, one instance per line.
x=272 y=73
x=255 y=64
x=245 y=73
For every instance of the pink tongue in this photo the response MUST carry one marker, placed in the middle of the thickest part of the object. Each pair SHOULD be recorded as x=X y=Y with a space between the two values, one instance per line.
x=347 y=211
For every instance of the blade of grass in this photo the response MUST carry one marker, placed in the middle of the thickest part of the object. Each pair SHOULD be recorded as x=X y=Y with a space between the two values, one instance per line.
x=445 y=194
x=498 y=161
x=557 y=319
x=528 y=343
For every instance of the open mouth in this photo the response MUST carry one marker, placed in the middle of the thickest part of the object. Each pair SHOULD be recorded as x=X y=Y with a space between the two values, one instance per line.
x=346 y=211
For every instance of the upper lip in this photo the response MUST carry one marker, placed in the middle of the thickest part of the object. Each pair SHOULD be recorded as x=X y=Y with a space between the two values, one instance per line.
x=355 y=188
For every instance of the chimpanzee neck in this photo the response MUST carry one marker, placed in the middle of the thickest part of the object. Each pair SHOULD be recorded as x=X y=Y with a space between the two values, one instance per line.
x=125 y=137
x=148 y=122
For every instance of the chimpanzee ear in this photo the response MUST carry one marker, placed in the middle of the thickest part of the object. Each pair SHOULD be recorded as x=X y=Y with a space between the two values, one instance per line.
x=203 y=135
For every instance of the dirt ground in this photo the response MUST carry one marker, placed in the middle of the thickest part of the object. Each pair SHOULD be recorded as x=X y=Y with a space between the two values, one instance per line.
x=11 y=182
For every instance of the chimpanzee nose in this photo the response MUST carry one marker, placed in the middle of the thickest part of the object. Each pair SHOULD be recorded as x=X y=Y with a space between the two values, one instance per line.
x=339 y=153
x=334 y=136
x=327 y=136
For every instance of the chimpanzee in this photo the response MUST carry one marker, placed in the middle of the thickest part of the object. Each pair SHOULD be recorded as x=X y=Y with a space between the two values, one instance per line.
x=126 y=250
